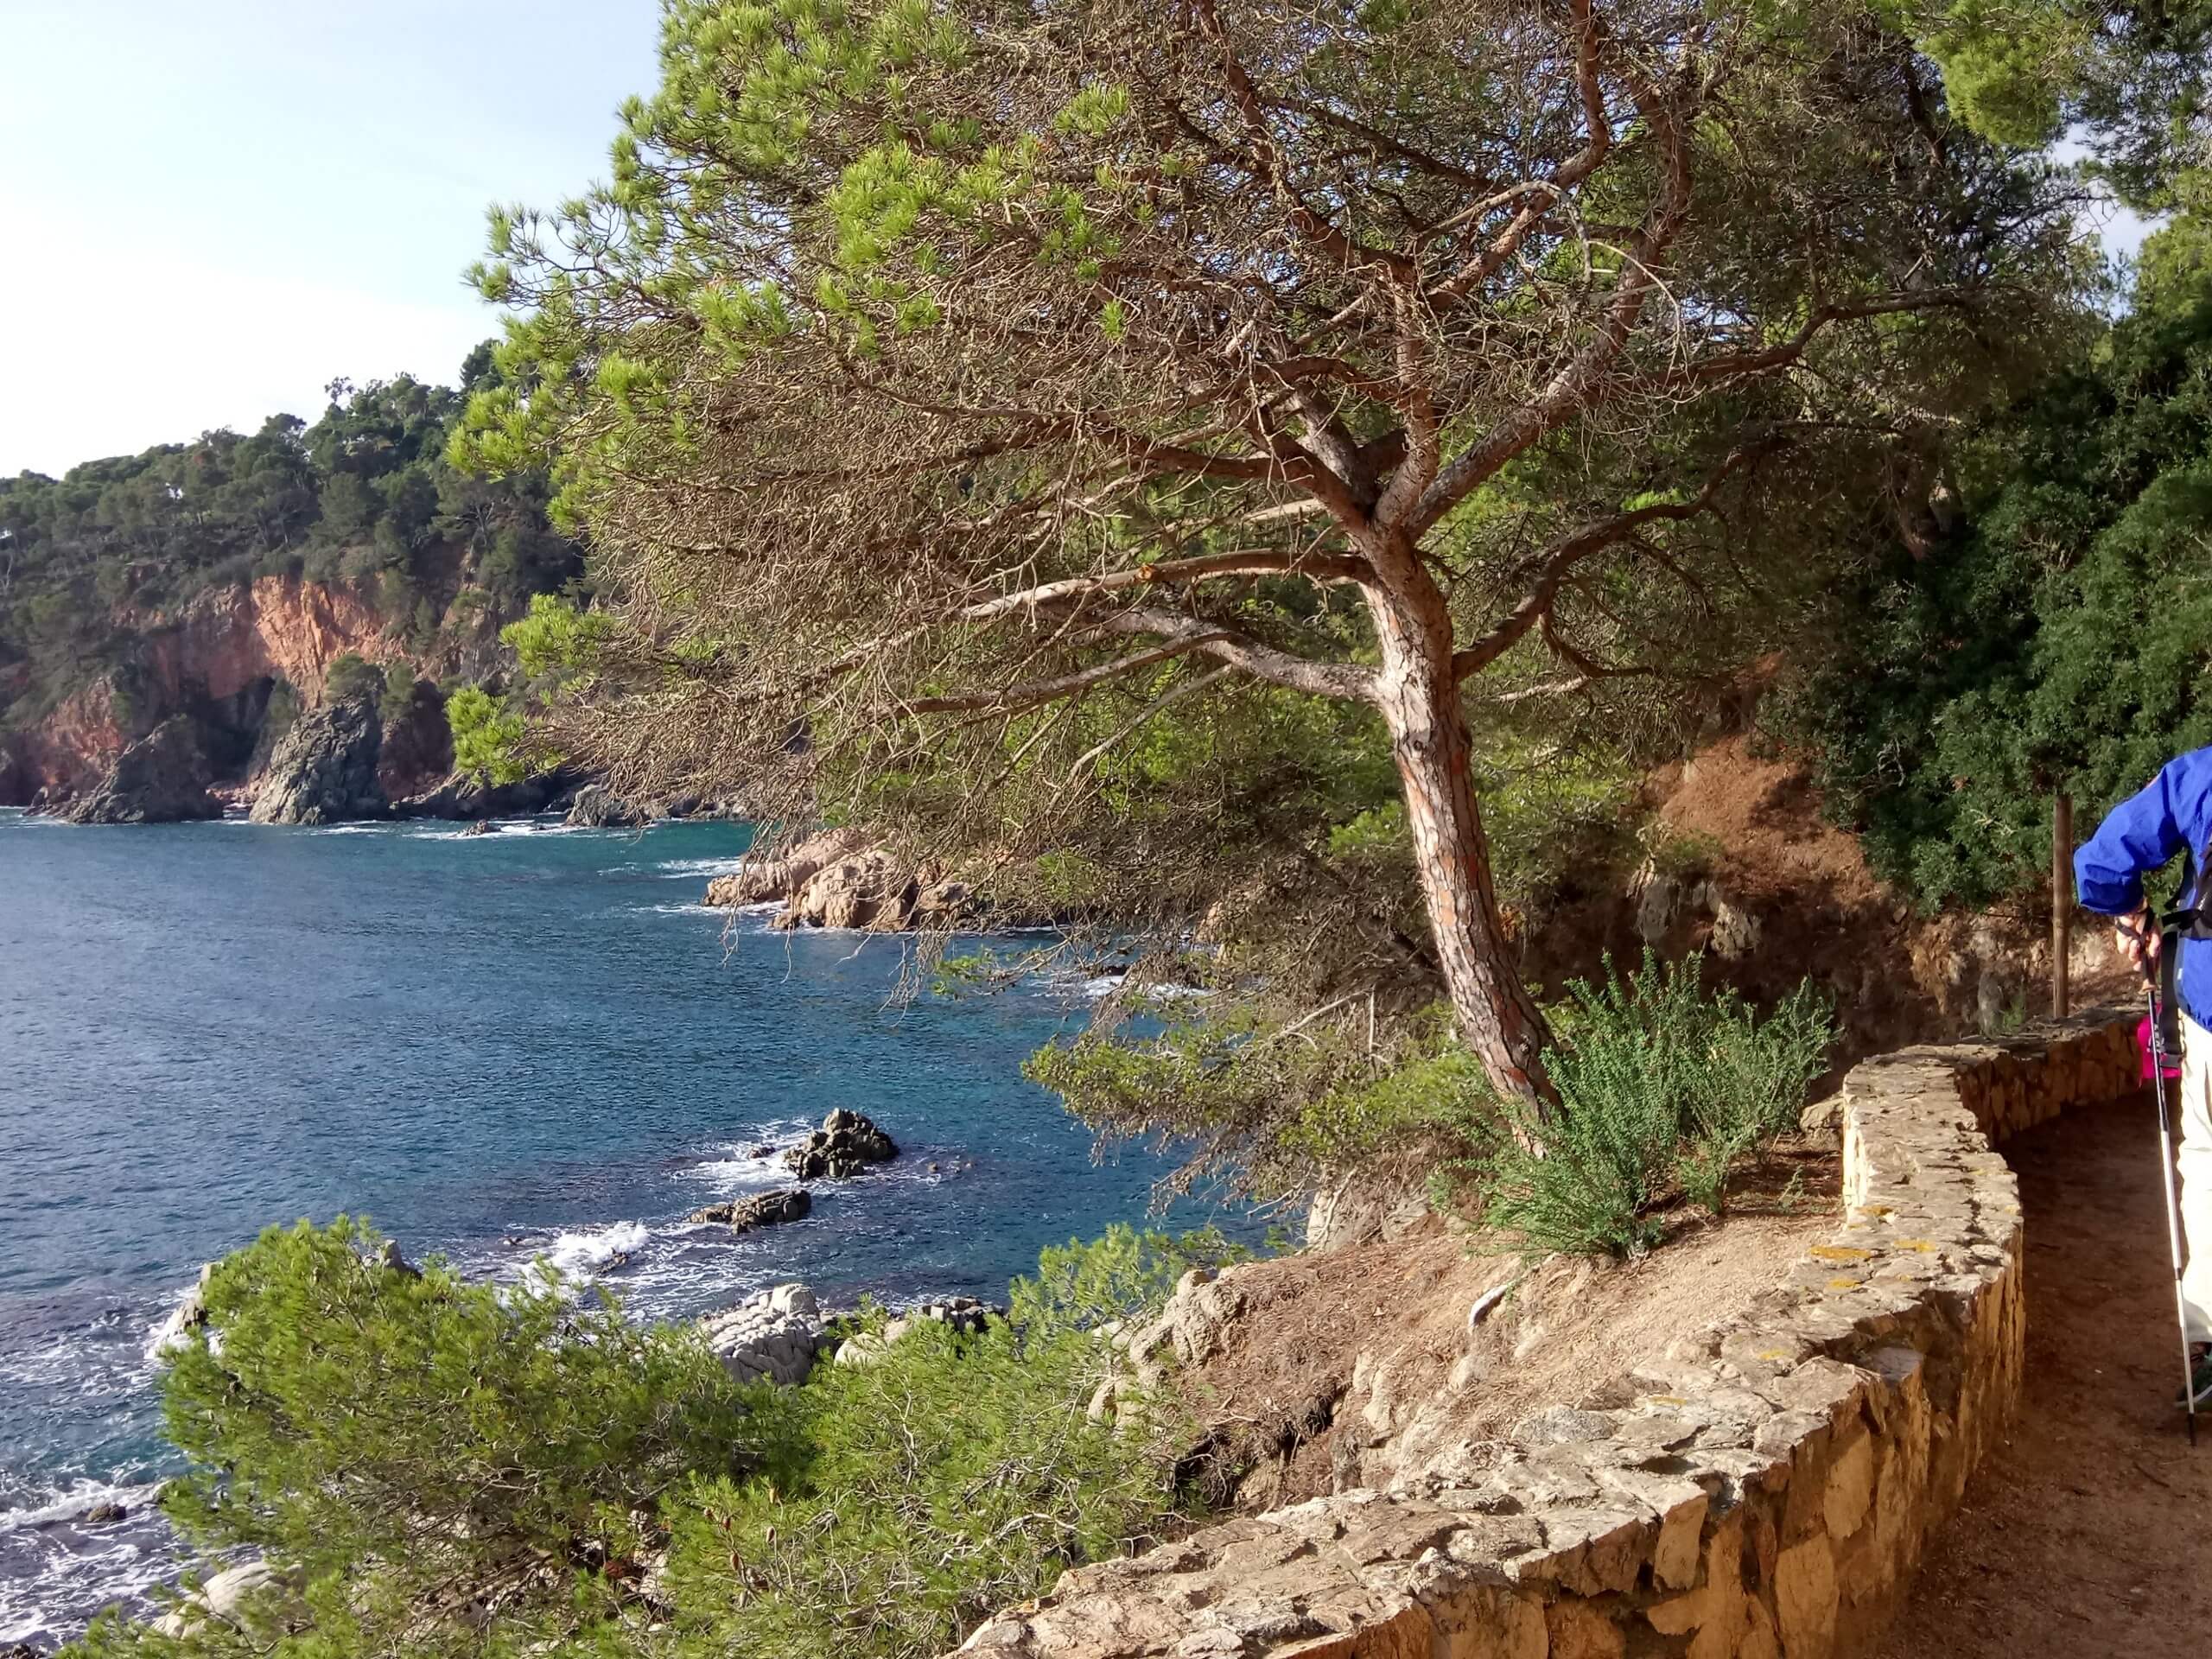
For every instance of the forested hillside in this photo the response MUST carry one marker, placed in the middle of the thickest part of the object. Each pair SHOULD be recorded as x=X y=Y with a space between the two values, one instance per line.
x=2053 y=630
x=203 y=576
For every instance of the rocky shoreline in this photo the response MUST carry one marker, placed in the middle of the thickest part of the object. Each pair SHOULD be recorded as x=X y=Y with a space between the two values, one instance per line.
x=331 y=764
x=835 y=879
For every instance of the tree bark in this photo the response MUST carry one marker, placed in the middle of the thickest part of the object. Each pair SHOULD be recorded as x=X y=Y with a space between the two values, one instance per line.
x=2062 y=904
x=1420 y=701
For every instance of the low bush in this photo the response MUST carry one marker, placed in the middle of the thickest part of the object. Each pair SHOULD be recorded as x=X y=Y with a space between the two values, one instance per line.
x=1662 y=1088
x=448 y=1468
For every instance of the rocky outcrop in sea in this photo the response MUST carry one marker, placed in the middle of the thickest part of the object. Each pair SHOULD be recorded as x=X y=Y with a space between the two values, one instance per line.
x=160 y=779
x=846 y=1144
x=761 y=880
x=324 y=769
x=762 y=1210
x=598 y=807
x=835 y=879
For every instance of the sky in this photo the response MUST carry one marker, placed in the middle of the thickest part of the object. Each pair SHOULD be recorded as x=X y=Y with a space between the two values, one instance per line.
x=209 y=210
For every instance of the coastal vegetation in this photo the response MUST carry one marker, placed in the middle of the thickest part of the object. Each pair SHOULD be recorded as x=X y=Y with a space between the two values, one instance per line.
x=2051 y=635
x=431 y=1466
x=1272 y=482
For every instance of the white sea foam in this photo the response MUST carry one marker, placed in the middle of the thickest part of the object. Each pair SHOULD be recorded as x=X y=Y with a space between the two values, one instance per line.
x=581 y=1255
x=57 y=1566
x=676 y=869
x=676 y=910
x=76 y=1501
x=169 y=1328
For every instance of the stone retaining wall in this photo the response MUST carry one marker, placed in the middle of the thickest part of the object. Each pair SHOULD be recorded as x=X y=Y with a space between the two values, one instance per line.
x=1764 y=1489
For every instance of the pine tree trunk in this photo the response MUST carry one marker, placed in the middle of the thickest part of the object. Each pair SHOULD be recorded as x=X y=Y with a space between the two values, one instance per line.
x=1420 y=705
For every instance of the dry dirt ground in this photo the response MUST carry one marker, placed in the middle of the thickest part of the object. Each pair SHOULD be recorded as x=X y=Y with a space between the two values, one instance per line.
x=2089 y=1533
x=1339 y=1350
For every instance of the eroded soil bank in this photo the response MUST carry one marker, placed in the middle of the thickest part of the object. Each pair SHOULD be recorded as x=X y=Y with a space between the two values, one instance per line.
x=2089 y=1533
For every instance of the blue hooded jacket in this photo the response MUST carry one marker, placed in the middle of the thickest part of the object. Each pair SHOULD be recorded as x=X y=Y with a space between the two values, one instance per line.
x=2142 y=833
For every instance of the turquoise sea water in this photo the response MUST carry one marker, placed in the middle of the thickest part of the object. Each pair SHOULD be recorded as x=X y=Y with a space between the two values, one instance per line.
x=531 y=1043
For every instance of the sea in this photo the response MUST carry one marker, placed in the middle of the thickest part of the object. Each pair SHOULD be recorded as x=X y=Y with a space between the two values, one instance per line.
x=532 y=1044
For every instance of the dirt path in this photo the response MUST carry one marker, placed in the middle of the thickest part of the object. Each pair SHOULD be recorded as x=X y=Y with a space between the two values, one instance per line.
x=2089 y=1533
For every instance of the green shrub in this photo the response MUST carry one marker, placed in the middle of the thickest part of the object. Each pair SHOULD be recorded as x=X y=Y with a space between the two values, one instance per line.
x=487 y=737
x=1269 y=1109
x=448 y=1468
x=408 y=1442
x=905 y=1500
x=1662 y=1088
x=348 y=676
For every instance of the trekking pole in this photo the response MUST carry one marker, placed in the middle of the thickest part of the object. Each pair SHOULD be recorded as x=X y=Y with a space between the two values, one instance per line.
x=2173 y=1208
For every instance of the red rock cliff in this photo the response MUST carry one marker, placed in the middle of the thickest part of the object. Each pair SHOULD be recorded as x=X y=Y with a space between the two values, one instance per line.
x=220 y=648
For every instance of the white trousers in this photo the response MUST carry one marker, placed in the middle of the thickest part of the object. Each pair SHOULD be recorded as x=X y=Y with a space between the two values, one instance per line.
x=2196 y=1104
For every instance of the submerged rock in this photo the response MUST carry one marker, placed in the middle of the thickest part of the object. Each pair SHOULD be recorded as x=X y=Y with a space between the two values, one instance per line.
x=845 y=1144
x=160 y=779
x=776 y=1336
x=762 y=1210
x=324 y=769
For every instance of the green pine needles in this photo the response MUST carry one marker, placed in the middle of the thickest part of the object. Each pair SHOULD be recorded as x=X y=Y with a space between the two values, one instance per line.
x=438 y=1467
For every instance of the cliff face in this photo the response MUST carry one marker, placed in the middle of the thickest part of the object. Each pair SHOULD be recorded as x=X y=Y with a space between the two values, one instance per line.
x=217 y=659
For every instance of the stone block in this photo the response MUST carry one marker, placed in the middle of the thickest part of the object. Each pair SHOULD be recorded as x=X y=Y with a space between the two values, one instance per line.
x=1805 y=1599
x=1579 y=1630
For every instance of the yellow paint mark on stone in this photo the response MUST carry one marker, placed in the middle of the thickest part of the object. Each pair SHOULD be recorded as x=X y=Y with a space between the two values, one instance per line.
x=1919 y=1246
x=1841 y=1253
x=1845 y=1284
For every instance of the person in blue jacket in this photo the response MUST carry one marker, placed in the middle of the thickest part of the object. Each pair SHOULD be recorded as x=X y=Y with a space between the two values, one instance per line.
x=2171 y=814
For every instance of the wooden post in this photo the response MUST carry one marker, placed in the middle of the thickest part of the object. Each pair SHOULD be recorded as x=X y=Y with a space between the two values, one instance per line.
x=2061 y=900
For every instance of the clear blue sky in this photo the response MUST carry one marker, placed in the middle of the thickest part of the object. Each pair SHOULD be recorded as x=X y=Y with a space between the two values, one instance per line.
x=209 y=210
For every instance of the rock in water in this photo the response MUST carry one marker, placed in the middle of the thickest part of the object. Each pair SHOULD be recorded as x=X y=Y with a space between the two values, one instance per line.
x=762 y=1210
x=757 y=880
x=844 y=1145
x=598 y=807
x=324 y=769
x=160 y=779
x=463 y=800
x=869 y=890
x=777 y=1335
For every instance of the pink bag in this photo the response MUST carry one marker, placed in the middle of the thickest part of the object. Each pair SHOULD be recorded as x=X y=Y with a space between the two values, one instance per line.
x=2143 y=1047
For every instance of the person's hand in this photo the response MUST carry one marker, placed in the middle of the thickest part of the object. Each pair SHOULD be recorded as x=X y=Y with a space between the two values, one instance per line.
x=2137 y=940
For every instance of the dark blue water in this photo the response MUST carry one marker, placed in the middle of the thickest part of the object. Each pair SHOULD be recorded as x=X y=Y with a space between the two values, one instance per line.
x=535 y=1042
